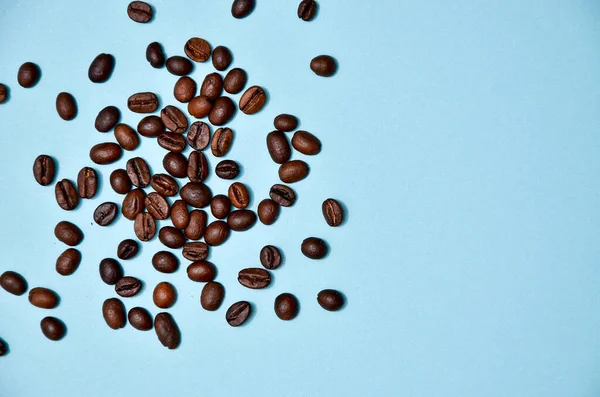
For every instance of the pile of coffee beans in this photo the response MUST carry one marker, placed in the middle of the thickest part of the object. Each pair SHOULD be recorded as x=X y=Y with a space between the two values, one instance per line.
x=185 y=205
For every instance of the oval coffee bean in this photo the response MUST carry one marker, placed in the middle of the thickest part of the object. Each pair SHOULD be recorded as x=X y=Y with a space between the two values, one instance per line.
x=197 y=49
x=140 y=11
x=212 y=296
x=133 y=204
x=179 y=66
x=151 y=126
x=174 y=119
x=43 y=298
x=68 y=233
x=119 y=181
x=227 y=169
x=106 y=213
x=201 y=271
x=270 y=257
x=242 y=8
x=314 y=248
x=241 y=220
x=4 y=91
x=68 y=262
x=197 y=170
x=196 y=194
x=87 y=182
x=105 y=153
x=44 y=169
x=13 y=283
x=333 y=212
x=128 y=286
x=66 y=107
x=66 y=195
x=197 y=225
x=113 y=311
x=53 y=328
x=220 y=206
x=167 y=331
x=221 y=142
x=175 y=164
x=330 y=299
x=293 y=171
x=222 y=111
x=165 y=262
x=28 y=75
x=216 y=233
x=238 y=313
x=306 y=143
x=201 y=106
x=239 y=195
x=268 y=211
x=254 y=278
x=155 y=55
x=140 y=319
x=286 y=306
x=3 y=348
x=253 y=100
x=185 y=89
x=143 y=102
x=138 y=171
x=195 y=251
x=171 y=237
x=144 y=226
x=278 y=147
x=126 y=137
x=199 y=135
x=127 y=249
x=101 y=68
x=235 y=81
x=171 y=141
x=307 y=10
x=164 y=295
x=179 y=214
x=282 y=195
x=285 y=122
x=323 y=65
x=164 y=184
x=107 y=118
x=212 y=86
x=110 y=271
x=157 y=206
x=221 y=57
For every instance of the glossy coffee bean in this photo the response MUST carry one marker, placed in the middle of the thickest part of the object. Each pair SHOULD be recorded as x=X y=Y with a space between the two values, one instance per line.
x=238 y=313
x=323 y=65
x=235 y=81
x=126 y=137
x=140 y=319
x=196 y=194
x=155 y=55
x=222 y=111
x=157 y=206
x=286 y=306
x=172 y=142
x=110 y=271
x=282 y=195
x=220 y=206
x=195 y=251
x=333 y=212
x=68 y=233
x=278 y=147
x=144 y=226
x=270 y=257
x=140 y=12
x=66 y=107
x=197 y=225
x=293 y=171
x=307 y=10
x=105 y=153
x=197 y=170
x=174 y=119
x=143 y=102
x=185 y=89
x=87 y=182
x=201 y=271
x=68 y=262
x=66 y=195
x=128 y=286
x=216 y=233
x=44 y=169
x=314 y=248
x=113 y=311
x=200 y=107
x=165 y=262
x=253 y=100
x=3 y=346
x=199 y=135
x=227 y=169
x=107 y=119
x=285 y=122
x=212 y=86
x=151 y=126
x=221 y=57
x=28 y=75
x=164 y=295
x=120 y=182
x=268 y=211
x=242 y=8
x=254 y=278
x=212 y=296
x=101 y=68
x=306 y=143
x=197 y=49
x=43 y=298
x=134 y=203
x=239 y=195
x=221 y=142
x=171 y=237
x=4 y=93
x=175 y=164
x=180 y=215
x=13 y=283
x=167 y=330
x=179 y=66
x=241 y=220
x=53 y=328
x=164 y=184
x=106 y=213
x=138 y=172
x=127 y=249
x=330 y=299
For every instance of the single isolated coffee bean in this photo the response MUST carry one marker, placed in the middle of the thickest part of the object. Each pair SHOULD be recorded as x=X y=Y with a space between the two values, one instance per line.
x=113 y=311
x=268 y=211
x=140 y=11
x=175 y=164
x=28 y=75
x=119 y=181
x=155 y=55
x=238 y=313
x=164 y=295
x=270 y=257
x=127 y=249
x=106 y=213
x=105 y=153
x=241 y=220
x=221 y=57
x=278 y=147
x=143 y=102
x=220 y=206
x=221 y=142
x=199 y=135
x=68 y=233
x=222 y=111
x=307 y=10
x=227 y=169
x=323 y=65
x=3 y=348
x=134 y=203
x=242 y=8
x=200 y=107
x=196 y=194
x=197 y=225
x=3 y=97
x=239 y=195
x=44 y=169
x=165 y=262
x=13 y=283
x=333 y=212
x=195 y=251
x=197 y=49
x=179 y=66
x=185 y=89
x=180 y=215
x=285 y=122
x=286 y=306
x=164 y=184
x=171 y=141
x=66 y=195
x=212 y=296
x=197 y=170
x=201 y=271
x=87 y=182
x=171 y=237
x=282 y=195
x=157 y=206
x=101 y=68
x=66 y=107
x=151 y=126
x=254 y=278
x=126 y=137
x=144 y=226
x=314 y=248
x=43 y=298
x=140 y=319
x=107 y=119
x=293 y=171
x=212 y=86
x=216 y=233
x=235 y=81
x=306 y=143
x=128 y=286
x=174 y=119
x=253 y=100
x=330 y=299
x=167 y=331
x=53 y=328
x=110 y=271
x=138 y=172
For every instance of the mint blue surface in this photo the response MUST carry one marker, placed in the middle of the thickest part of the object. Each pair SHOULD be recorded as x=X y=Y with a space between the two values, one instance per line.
x=463 y=137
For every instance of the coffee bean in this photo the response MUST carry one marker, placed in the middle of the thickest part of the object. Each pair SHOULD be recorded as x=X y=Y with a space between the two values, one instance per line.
x=220 y=206
x=43 y=298
x=221 y=142
x=53 y=328
x=196 y=194
x=66 y=195
x=120 y=182
x=227 y=169
x=68 y=233
x=254 y=278
x=140 y=11
x=179 y=66
x=13 y=283
x=171 y=237
x=200 y=107
x=282 y=195
x=241 y=220
x=221 y=58
x=140 y=319
x=199 y=135
x=212 y=86
x=293 y=171
x=105 y=153
x=175 y=164
x=179 y=214
x=164 y=184
x=238 y=313
x=253 y=100
x=157 y=206
x=87 y=182
x=285 y=122
x=216 y=233
x=197 y=170
x=107 y=118
x=222 y=111
x=127 y=137
x=212 y=296
x=197 y=49
x=333 y=212
x=307 y=10
x=195 y=251
x=197 y=225
x=101 y=68
x=3 y=348
x=185 y=89
x=306 y=143
x=164 y=295
x=66 y=107
x=4 y=91
x=128 y=286
x=201 y=271
x=174 y=119
x=242 y=8
x=143 y=102
x=113 y=311
x=286 y=306
x=68 y=262
x=172 y=141
x=144 y=226
x=330 y=299
x=165 y=262
x=268 y=211
x=44 y=169
x=239 y=195
x=151 y=126
x=110 y=271
x=235 y=81
x=155 y=55
x=323 y=65
x=127 y=249
x=278 y=147
x=167 y=330
x=314 y=248
x=28 y=75
x=133 y=204
x=106 y=213
x=270 y=257
x=138 y=172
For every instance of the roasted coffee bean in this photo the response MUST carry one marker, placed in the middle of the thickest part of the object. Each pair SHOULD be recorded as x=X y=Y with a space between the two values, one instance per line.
x=314 y=248
x=143 y=102
x=195 y=251
x=68 y=233
x=133 y=204
x=200 y=107
x=66 y=107
x=220 y=206
x=197 y=225
x=106 y=213
x=239 y=195
x=330 y=299
x=201 y=271
x=212 y=296
x=235 y=81
x=107 y=118
x=197 y=170
x=333 y=212
x=179 y=214
x=144 y=226
x=242 y=8
x=175 y=164
x=185 y=89
x=212 y=86
x=238 y=313
x=128 y=286
x=241 y=220
x=285 y=122
x=270 y=257
x=222 y=111
x=165 y=262
x=43 y=298
x=140 y=11
x=127 y=249
x=286 y=306
x=167 y=330
x=138 y=172
x=227 y=169
x=110 y=271
x=101 y=68
x=307 y=10
x=157 y=206
x=216 y=233
x=278 y=147
x=199 y=135
x=254 y=278
x=323 y=65
x=28 y=75
x=151 y=126
x=179 y=66
x=44 y=169
x=87 y=182
x=113 y=311
x=197 y=49
x=3 y=346
x=268 y=211
x=4 y=91
x=221 y=142
x=105 y=153
x=164 y=295
x=253 y=100
x=13 y=283
x=155 y=55
x=221 y=58
x=293 y=171
x=174 y=119
x=164 y=184
x=66 y=195
x=68 y=262
x=140 y=319
x=120 y=182
x=282 y=195
x=306 y=143
x=196 y=194
x=127 y=137
x=171 y=237
x=172 y=142
x=53 y=328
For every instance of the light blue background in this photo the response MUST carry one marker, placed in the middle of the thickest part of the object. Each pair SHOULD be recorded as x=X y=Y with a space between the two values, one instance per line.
x=462 y=136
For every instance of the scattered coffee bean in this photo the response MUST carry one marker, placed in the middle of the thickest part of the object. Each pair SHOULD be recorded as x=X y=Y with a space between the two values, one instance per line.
x=43 y=298
x=222 y=111
x=138 y=172
x=171 y=237
x=197 y=225
x=221 y=57
x=306 y=143
x=105 y=153
x=128 y=286
x=196 y=194
x=143 y=102
x=140 y=11
x=216 y=233
x=164 y=184
x=241 y=220
x=144 y=226
x=155 y=55
x=140 y=319
x=127 y=249
x=333 y=212
x=172 y=142
x=200 y=107
x=278 y=147
x=120 y=182
x=197 y=49
x=174 y=119
x=167 y=330
x=242 y=8
x=268 y=211
x=323 y=65
x=107 y=118
x=164 y=295
x=110 y=271
x=286 y=306
x=126 y=137
x=227 y=169
x=179 y=66
x=68 y=233
x=179 y=214
x=66 y=107
x=68 y=262
x=330 y=299
x=3 y=97
x=314 y=248
x=197 y=170
x=13 y=283
x=87 y=182
x=195 y=251
x=157 y=206
x=66 y=195
x=151 y=126
x=282 y=195
x=175 y=164
x=238 y=313
x=3 y=346
x=254 y=278
x=201 y=271
x=106 y=213
x=285 y=122
x=212 y=86
x=199 y=135
x=253 y=100
x=101 y=68
x=307 y=10
x=220 y=206
x=53 y=328
x=113 y=311
x=28 y=75
x=235 y=81
x=270 y=257
x=221 y=142
x=293 y=171
x=44 y=169
x=212 y=296
x=239 y=195
x=165 y=262
x=185 y=89
x=133 y=204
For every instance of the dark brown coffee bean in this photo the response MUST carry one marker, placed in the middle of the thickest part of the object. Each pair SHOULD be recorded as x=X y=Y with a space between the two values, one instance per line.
x=87 y=182
x=201 y=271
x=306 y=143
x=222 y=111
x=307 y=10
x=200 y=107
x=171 y=237
x=238 y=313
x=285 y=122
x=140 y=319
x=110 y=271
x=68 y=233
x=101 y=68
x=268 y=211
x=333 y=212
x=185 y=89
x=164 y=295
x=197 y=49
x=66 y=107
x=113 y=311
x=68 y=262
x=138 y=172
x=314 y=248
x=28 y=75
x=151 y=126
x=221 y=58
x=197 y=225
x=199 y=135
x=143 y=102
x=241 y=220
x=66 y=195
x=254 y=278
x=179 y=214
x=127 y=137
x=105 y=153
x=221 y=142
x=167 y=331
x=157 y=206
x=242 y=8
x=172 y=142
x=179 y=66
x=212 y=86
x=127 y=249
x=270 y=257
x=253 y=100
x=212 y=296
x=144 y=226
x=239 y=195
x=107 y=118
x=106 y=213
x=43 y=298
x=13 y=283
x=140 y=11
x=174 y=119
x=293 y=171
x=53 y=328
x=196 y=194
x=235 y=81
x=195 y=251
x=216 y=233
x=175 y=164
x=197 y=170
x=4 y=92
x=278 y=147
x=44 y=169
x=323 y=65
x=220 y=206
x=120 y=182
x=227 y=169
x=330 y=299
x=282 y=195
x=3 y=348
x=286 y=306
x=155 y=55
x=133 y=204
x=164 y=184
x=165 y=262
x=128 y=286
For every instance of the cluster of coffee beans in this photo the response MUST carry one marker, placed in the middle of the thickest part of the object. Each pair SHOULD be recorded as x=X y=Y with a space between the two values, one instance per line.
x=147 y=210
